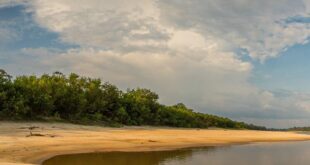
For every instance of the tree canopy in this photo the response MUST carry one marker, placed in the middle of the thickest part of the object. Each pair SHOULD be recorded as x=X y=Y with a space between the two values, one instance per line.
x=86 y=100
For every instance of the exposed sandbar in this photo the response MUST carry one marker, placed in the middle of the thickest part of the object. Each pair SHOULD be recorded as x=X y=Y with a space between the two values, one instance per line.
x=50 y=139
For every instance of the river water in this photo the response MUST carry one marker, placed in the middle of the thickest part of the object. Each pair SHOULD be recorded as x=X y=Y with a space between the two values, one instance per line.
x=279 y=153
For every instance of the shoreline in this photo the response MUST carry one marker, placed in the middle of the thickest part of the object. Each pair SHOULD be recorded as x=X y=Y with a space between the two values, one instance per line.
x=42 y=159
x=59 y=138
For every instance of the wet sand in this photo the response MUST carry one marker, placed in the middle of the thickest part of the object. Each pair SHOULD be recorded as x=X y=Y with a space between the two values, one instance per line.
x=50 y=139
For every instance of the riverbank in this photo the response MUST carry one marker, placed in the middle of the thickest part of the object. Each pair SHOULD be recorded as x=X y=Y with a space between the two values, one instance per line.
x=19 y=145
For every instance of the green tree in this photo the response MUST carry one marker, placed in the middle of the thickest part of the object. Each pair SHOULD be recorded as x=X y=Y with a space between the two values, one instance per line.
x=141 y=106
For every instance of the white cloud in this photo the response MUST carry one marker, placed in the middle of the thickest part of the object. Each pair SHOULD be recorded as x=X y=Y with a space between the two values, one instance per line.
x=103 y=24
x=256 y=26
x=259 y=27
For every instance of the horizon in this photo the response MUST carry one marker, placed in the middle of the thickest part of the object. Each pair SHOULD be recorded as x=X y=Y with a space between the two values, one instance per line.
x=245 y=60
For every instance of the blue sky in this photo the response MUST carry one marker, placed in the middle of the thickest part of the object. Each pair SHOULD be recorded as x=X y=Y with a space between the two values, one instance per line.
x=187 y=57
x=29 y=33
x=290 y=71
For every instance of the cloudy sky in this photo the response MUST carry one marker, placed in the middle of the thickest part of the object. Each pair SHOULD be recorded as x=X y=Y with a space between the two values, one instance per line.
x=244 y=59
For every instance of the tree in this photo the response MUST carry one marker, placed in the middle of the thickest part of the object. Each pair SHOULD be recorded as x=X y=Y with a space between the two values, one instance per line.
x=141 y=105
x=5 y=88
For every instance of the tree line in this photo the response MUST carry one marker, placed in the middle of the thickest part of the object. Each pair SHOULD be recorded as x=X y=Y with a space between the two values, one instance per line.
x=80 y=99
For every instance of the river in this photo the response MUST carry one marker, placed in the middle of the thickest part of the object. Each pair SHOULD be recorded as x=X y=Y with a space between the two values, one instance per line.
x=278 y=153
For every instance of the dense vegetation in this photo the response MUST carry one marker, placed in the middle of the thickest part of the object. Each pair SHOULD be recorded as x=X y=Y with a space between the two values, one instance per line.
x=85 y=100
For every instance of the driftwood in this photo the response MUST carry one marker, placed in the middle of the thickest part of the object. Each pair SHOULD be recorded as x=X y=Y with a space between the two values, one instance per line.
x=31 y=128
x=38 y=134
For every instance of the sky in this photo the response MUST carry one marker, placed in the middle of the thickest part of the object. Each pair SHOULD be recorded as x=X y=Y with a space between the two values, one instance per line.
x=248 y=60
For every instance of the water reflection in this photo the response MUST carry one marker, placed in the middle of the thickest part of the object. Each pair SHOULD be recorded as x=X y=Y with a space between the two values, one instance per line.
x=126 y=158
x=288 y=153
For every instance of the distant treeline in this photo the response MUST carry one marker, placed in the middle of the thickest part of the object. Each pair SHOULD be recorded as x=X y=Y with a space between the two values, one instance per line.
x=86 y=100
x=299 y=129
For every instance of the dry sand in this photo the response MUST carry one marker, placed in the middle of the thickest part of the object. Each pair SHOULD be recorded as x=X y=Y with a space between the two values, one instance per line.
x=17 y=148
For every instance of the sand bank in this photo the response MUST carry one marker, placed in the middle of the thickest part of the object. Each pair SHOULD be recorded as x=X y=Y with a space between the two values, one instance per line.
x=17 y=147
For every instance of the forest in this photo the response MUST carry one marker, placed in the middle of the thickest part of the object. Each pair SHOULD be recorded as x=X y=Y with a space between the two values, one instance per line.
x=84 y=100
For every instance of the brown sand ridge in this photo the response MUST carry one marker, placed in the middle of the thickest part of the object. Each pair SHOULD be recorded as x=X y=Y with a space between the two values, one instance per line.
x=50 y=139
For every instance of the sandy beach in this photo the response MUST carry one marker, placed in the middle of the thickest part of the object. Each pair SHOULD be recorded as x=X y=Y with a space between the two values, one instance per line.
x=50 y=139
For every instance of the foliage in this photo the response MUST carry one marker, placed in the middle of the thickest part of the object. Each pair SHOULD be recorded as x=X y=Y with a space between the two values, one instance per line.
x=82 y=99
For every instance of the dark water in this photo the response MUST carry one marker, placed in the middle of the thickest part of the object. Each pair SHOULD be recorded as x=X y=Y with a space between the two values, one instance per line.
x=288 y=153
